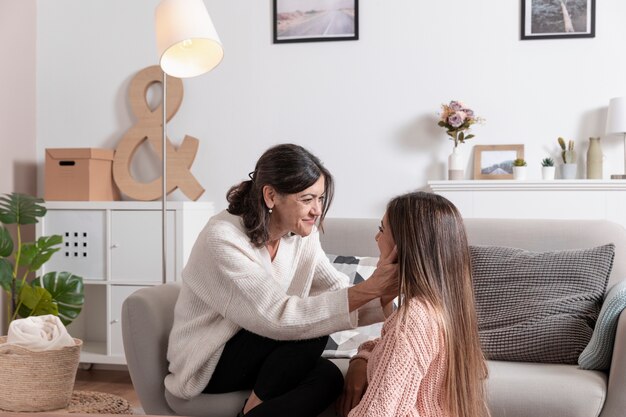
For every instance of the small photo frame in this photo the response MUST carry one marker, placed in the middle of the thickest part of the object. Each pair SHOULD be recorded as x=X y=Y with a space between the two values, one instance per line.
x=553 y=19
x=315 y=20
x=495 y=162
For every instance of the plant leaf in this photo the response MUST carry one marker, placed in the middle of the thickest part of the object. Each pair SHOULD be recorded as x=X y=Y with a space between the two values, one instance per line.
x=469 y=136
x=6 y=274
x=34 y=255
x=6 y=242
x=36 y=301
x=67 y=292
x=18 y=208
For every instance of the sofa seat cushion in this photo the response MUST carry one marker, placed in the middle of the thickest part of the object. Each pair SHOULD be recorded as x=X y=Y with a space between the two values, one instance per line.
x=522 y=389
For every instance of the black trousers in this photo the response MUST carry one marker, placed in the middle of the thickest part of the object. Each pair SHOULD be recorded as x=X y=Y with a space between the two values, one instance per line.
x=289 y=377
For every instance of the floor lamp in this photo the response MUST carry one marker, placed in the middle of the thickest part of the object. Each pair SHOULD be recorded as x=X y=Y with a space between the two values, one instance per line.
x=616 y=124
x=188 y=46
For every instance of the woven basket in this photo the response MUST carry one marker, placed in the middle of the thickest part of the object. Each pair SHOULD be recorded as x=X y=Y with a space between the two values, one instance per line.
x=37 y=381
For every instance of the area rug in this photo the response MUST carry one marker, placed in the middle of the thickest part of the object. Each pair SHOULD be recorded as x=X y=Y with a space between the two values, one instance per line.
x=93 y=402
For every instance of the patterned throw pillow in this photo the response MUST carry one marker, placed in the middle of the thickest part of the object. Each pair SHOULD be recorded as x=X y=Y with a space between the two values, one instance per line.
x=538 y=306
x=344 y=344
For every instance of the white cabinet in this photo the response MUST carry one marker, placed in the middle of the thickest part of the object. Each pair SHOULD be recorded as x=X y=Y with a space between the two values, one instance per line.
x=117 y=248
x=557 y=199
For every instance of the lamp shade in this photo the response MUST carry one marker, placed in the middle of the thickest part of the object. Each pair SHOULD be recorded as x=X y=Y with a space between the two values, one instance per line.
x=187 y=41
x=616 y=116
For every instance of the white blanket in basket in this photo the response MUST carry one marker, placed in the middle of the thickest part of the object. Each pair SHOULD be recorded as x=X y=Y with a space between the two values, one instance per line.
x=39 y=333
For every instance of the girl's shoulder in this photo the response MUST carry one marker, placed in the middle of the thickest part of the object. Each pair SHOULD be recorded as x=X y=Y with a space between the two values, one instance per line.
x=412 y=318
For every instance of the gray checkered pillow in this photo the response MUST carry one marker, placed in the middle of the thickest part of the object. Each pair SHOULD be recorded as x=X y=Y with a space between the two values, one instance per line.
x=538 y=306
x=344 y=344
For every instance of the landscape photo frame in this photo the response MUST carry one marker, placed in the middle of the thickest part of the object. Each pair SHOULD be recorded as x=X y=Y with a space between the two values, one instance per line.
x=558 y=19
x=495 y=162
x=315 y=20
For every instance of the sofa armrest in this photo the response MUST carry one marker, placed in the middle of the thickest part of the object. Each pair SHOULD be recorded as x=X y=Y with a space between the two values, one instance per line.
x=615 y=402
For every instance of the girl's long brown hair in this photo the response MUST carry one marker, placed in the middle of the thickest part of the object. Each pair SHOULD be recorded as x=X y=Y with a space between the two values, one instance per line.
x=434 y=267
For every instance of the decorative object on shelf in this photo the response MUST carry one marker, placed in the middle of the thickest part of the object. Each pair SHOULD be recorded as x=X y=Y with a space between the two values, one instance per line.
x=594 y=159
x=317 y=20
x=456 y=171
x=547 y=169
x=456 y=118
x=616 y=124
x=495 y=162
x=558 y=19
x=148 y=128
x=79 y=174
x=569 y=156
x=519 y=169
x=188 y=46
x=57 y=293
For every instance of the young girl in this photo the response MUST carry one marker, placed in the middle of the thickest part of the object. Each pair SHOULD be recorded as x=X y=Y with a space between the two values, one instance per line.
x=428 y=360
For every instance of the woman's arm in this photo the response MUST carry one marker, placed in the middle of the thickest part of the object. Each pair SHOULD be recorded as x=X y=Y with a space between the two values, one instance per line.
x=235 y=280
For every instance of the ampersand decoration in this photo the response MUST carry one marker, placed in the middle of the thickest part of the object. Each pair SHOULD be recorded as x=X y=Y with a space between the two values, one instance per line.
x=149 y=127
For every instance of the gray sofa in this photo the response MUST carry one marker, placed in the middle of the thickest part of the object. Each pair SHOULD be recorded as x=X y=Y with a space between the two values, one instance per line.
x=515 y=389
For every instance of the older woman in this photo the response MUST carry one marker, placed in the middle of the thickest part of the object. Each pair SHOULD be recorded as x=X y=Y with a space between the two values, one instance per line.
x=259 y=295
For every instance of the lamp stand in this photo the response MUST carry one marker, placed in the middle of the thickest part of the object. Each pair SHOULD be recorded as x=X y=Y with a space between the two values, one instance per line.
x=164 y=181
x=621 y=176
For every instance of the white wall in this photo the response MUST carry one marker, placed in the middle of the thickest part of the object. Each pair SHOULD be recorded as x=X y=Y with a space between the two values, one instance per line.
x=367 y=108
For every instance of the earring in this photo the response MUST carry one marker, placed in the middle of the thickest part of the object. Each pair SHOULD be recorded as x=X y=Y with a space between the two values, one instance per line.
x=270 y=211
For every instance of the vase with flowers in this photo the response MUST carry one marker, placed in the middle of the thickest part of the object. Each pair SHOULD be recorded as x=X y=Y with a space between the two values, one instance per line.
x=457 y=118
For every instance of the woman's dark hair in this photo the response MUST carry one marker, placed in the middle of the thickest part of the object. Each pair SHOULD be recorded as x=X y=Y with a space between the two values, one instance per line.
x=289 y=169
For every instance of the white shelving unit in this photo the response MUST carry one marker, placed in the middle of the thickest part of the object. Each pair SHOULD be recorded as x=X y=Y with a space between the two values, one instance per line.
x=557 y=199
x=116 y=247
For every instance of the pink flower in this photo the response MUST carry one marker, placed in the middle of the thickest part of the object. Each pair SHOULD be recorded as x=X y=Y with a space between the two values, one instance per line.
x=456 y=119
x=456 y=105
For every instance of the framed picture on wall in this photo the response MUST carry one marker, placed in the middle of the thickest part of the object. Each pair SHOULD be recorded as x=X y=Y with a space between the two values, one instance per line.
x=315 y=20
x=551 y=19
x=495 y=162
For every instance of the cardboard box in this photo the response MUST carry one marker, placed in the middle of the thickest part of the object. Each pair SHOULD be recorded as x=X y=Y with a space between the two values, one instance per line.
x=80 y=174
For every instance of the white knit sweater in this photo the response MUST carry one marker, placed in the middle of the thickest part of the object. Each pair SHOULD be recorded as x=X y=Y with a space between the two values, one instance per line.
x=229 y=284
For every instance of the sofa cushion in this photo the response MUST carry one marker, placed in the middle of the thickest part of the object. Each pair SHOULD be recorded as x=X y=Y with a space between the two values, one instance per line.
x=598 y=353
x=516 y=389
x=344 y=344
x=538 y=306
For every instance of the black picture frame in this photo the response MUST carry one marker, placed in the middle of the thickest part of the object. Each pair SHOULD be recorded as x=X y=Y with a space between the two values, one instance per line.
x=321 y=24
x=544 y=19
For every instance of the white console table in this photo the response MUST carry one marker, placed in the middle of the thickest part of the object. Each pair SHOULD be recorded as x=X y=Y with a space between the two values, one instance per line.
x=558 y=199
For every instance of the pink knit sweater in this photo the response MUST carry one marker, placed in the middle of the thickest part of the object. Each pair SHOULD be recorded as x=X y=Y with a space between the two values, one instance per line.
x=406 y=367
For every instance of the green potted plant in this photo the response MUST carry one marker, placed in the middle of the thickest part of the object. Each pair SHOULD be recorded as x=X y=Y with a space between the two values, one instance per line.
x=547 y=168
x=519 y=169
x=57 y=293
x=569 y=167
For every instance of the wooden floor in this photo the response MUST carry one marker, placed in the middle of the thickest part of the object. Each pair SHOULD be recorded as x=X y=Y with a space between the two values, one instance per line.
x=112 y=382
